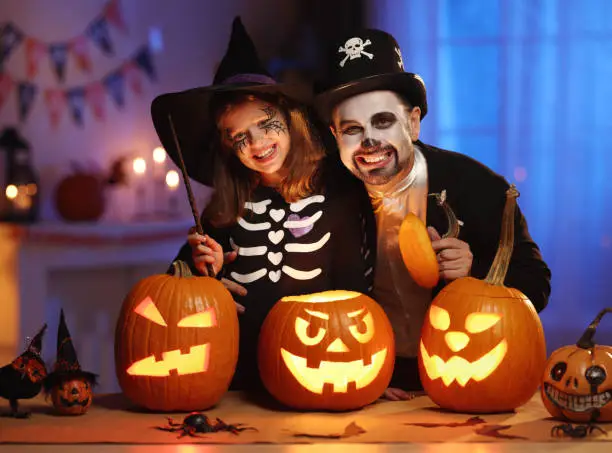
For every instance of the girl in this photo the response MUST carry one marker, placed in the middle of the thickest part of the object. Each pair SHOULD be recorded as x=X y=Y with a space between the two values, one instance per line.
x=293 y=219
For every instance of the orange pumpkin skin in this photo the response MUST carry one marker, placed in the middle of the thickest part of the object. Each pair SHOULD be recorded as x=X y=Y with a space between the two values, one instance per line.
x=566 y=391
x=356 y=328
x=72 y=397
x=417 y=253
x=576 y=385
x=509 y=385
x=200 y=319
x=80 y=197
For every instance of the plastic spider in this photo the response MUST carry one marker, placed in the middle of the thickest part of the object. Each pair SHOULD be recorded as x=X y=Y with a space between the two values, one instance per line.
x=197 y=422
x=577 y=431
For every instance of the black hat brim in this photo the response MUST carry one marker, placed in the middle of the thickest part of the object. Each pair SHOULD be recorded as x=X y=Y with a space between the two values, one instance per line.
x=190 y=112
x=404 y=83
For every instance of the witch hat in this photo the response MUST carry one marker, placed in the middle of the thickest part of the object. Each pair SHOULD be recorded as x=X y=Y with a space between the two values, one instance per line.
x=35 y=346
x=67 y=366
x=190 y=110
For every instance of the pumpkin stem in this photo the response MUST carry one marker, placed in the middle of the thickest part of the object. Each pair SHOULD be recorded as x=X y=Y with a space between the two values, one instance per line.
x=501 y=262
x=180 y=269
x=453 y=222
x=586 y=340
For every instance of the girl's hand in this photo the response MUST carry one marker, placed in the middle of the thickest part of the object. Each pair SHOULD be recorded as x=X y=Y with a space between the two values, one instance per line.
x=205 y=250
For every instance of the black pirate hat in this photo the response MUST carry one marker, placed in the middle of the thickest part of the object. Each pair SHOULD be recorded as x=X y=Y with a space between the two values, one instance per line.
x=367 y=60
x=190 y=110
x=67 y=366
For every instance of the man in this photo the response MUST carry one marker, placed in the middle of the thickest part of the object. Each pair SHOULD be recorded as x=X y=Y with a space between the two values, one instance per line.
x=374 y=109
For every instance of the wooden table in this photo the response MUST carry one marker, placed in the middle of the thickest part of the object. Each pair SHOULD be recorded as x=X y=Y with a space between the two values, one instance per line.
x=382 y=427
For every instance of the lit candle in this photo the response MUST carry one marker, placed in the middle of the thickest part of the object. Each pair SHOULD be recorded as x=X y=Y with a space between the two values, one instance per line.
x=139 y=165
x=172 y=181
x=159 y=159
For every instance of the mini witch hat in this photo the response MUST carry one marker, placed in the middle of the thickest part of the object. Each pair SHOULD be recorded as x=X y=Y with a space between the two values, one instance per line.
x=35 y=346
x=67 y=366
x=190 y=110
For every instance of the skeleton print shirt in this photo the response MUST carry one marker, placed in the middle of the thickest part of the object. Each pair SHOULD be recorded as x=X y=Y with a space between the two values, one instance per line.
x=316 y=244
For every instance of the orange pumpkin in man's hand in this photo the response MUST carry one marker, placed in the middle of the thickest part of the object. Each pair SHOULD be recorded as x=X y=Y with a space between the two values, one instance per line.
x=415 y=245
x=176 y=342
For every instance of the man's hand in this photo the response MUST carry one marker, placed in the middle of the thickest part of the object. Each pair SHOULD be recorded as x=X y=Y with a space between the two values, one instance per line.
x=393 y=394
x=454 y=256
x=232 y=286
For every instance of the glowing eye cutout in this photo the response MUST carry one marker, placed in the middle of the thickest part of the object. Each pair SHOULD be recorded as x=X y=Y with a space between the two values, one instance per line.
x=147 y=309
x=317 y=314
x=301 y=330
x=439 y=318
x=479 y=322
x=368 y=320
x=206 y=318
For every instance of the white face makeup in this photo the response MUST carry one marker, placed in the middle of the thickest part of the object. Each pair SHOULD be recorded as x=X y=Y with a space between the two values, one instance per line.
x=258 y=134
x=374 y=132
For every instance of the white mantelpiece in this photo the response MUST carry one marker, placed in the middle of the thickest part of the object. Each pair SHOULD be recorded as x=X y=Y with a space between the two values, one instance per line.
x=86 y=269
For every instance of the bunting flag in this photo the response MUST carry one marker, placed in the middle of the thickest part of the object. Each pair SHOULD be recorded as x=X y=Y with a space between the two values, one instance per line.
x=27 y=93
x=93 y=96
x=10 y=37
x=6 y=85
x=76 y=101
x=80 y=50
x=98 y=32
x=59 y=58
x=55 y=101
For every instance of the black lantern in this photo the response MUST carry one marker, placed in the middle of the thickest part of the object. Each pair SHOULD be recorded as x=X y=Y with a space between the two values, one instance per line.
x=20 y=188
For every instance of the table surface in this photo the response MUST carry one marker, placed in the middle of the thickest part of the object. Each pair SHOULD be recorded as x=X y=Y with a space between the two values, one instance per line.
x=112 y=425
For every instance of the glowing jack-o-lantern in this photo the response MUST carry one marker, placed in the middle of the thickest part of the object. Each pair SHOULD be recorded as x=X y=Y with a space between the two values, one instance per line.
x=326 y=351
x=577 y=382
x=176 y=342
x=482 y=346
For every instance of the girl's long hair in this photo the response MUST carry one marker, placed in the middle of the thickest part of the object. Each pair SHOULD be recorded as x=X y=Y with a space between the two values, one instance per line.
x=234 y=182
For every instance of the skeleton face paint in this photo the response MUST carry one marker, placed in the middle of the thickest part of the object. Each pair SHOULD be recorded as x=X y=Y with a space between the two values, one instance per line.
x=374 y=132
x=257 y=131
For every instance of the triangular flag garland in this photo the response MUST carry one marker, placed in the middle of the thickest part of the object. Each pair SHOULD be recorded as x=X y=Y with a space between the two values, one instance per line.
x=97 y=32
x=128 y=75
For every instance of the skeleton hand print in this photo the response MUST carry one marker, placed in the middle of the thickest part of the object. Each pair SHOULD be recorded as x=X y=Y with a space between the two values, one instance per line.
x=353 y=48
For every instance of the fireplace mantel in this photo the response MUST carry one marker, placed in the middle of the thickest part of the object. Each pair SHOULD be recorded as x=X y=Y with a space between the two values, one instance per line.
x=86 y=269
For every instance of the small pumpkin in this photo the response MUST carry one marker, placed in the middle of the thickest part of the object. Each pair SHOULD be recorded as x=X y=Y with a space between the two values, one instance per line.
x=72 y=396
x=70 y=388
x=415 y=245
x=482 y=347
x=176 y=341
x=577 y=381
x=332 y=350
x=80 y=195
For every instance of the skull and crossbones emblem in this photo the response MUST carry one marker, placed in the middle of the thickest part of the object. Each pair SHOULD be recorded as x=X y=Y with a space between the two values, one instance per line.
x=353 y=48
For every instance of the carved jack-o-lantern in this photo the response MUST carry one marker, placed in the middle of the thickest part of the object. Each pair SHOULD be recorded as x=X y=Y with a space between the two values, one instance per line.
x=72 y=397
x=330 y=351
x=482 y=344
x=577 y=383
x=176 y=343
